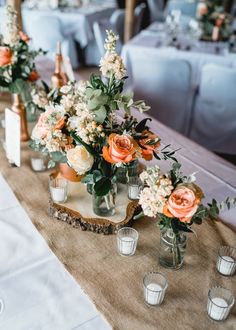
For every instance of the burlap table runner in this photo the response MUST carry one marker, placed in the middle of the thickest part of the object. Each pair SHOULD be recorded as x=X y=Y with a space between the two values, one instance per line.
x=114 y=283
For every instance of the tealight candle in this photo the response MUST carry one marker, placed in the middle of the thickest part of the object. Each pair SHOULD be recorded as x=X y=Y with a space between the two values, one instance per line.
x=226 y=263
x=127 y=239
x=38 y=164
x=58 y=190
x=134 y=187
x=155 y=285
x=220 y=302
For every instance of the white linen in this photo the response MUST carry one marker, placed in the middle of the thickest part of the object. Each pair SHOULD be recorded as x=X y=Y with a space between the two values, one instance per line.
x=38 y=292
x=156 y=43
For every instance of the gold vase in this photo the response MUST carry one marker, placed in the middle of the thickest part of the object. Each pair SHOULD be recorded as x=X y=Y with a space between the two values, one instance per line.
x=18 y=107
x=67 y=172
x=59 y=77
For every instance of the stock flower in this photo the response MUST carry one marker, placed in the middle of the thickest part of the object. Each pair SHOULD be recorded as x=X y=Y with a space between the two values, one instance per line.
x=5 y=56
x=33 y=76
x=80 y=159
x=42 y=128
x=150 y=143
x=183 y=202
x=120 y=149
x=24 y=36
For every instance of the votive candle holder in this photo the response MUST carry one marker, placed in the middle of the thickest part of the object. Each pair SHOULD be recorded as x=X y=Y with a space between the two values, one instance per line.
x=155 y=285
x=226 y=262
x=127 y=239
x=220 y=302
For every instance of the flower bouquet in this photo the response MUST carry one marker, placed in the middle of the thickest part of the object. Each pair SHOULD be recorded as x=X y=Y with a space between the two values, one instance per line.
x=176 y=201
x=89 y=125
x=17 y=61
x=216 y=24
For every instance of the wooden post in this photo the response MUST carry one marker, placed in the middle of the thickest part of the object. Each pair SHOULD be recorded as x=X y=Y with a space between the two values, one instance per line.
x=129 y=19
x=16 y=4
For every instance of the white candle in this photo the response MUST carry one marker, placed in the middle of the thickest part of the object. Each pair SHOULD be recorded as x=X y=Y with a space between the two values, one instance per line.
x=37 y=164
x=217 y=308
x=58 y=194
x=133 y=192
x=226 y=265
x=154 y=294
x=127 y=245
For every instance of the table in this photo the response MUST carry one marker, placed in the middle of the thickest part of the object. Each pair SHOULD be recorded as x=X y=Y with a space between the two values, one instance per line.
x=154 y=41
x=114 y=283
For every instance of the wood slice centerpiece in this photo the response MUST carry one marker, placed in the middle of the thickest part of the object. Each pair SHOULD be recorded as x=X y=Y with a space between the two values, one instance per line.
x=78 y=210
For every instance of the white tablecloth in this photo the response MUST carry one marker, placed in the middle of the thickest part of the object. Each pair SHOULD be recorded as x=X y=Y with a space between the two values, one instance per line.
x=154 y=41
x=38 y=293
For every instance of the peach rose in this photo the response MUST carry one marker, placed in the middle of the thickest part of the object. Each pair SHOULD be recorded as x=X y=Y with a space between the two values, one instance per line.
x=41 y=129
x=121 y=149
x=150 y=143
x=183 y=202
x=203 y=10
x=33 y=76
x=219 y=22
x=24 y=36
x=5 y=56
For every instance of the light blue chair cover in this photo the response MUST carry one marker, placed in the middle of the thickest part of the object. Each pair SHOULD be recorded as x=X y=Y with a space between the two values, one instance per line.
x=46 y=31
x=187 y=7
x=138 y=18
x=156 y=9
x=214 y=116
x=164 y=84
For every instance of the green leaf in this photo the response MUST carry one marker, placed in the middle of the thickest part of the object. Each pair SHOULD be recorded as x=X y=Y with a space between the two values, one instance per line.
x=142 y=125
x=100 y=114
x=87 y=146
x=103 y=186
x=58 y=156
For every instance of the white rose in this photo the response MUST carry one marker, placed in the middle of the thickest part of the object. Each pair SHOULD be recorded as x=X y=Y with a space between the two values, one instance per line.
x=80 y=159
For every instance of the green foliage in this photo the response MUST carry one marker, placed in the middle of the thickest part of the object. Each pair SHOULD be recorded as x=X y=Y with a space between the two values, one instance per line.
x=102 y=186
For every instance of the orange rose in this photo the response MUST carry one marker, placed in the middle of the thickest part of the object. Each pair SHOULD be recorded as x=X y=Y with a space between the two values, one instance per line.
x=150 y=143
x=60 y=123
x=219 y=22
x=183 y=202
x=33 y=76
x=5 y=56
x=24 y=36
x=203 y=10
x=121 y=149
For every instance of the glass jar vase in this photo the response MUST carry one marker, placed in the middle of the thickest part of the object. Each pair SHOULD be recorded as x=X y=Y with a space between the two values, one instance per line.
x=105 y=205
x=172 y=248
x=124 y=172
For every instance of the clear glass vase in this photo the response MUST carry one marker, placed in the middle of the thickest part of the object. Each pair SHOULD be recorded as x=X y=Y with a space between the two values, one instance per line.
x=125 y=171
x=172 y=249
x=105 y=205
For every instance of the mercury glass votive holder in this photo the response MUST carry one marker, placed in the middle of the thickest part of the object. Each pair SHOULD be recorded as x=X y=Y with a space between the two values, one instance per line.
x=155 y=285
x=58 y=189
x=226 y=262
x=127 y=239
x=135 y=186
x=220 y=302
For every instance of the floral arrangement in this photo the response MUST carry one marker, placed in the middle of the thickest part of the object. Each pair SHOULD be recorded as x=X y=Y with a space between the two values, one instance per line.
x=215 y=22
x=176 y=199
x=89 y=125
x=17 y=65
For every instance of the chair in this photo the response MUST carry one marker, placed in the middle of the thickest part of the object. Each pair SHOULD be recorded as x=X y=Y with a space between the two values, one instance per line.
x=156 y=9
x=187 y=7
x=45 y=32
x=214 y=116
x=138 y=18
x=116 y=23
x=164 y=84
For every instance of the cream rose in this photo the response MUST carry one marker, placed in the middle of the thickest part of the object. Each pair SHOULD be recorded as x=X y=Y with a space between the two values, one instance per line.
x=80 y=159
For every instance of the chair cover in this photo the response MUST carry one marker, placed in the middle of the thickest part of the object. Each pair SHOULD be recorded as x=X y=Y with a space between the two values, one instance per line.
x=214 y=116
x=156 y=8
x=165 y=85
x=46 y=31
x=187 y=7
x=138 y=17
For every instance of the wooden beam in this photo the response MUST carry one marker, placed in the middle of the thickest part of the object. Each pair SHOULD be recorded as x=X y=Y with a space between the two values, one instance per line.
x=16 y=4
x=129 y=18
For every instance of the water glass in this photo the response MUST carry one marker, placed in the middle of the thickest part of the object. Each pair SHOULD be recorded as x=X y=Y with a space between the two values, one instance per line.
x=155 y=285
x=220 y=302
x=127 y=239
x=226 y=263
x=58 y=189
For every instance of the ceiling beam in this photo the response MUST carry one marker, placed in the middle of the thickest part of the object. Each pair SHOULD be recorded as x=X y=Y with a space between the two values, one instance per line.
x=16 y=4
x=129 y=19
